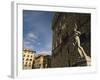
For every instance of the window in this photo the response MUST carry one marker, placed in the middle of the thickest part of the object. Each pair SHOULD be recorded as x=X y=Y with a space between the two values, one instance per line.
x=26 y=63
x=29 y=65
x=31 y=56
x=27 y=59
x=30 y=59
x=24 y=55
x=25 y=51
x=27 y=55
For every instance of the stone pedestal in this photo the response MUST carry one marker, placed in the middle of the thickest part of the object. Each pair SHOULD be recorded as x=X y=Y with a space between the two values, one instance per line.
x=86 y=61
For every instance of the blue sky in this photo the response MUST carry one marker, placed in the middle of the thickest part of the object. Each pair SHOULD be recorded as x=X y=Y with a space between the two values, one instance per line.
x=37 y=30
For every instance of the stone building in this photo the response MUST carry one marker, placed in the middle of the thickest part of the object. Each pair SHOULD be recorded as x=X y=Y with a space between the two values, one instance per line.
x=64 y=53
x=42 y=61
x=28 y=58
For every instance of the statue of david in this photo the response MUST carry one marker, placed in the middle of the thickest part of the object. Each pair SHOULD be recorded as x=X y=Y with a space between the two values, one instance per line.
x=77 y=44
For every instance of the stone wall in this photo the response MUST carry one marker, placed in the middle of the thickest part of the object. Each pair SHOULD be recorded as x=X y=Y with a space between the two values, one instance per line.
x=62 y=26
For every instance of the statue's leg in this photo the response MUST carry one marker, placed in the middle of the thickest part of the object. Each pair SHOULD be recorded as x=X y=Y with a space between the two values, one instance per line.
x=83 y=52
x=80 y=53
x=85 y=55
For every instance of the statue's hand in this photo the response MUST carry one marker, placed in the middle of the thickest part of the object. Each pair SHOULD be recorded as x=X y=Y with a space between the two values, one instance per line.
x=74 y=44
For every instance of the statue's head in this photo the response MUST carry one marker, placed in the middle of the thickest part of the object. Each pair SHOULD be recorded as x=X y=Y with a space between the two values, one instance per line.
x=76 y=32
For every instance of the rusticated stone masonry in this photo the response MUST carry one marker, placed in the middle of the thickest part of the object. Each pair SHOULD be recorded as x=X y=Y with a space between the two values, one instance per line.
x=71 y=40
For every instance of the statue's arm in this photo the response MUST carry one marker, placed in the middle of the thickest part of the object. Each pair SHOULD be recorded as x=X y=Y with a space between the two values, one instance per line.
x=77 y=41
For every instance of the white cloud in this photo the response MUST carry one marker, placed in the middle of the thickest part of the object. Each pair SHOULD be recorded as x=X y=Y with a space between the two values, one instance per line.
x=38 y=43
x=29 y=46
x=45 y=52
x=29 y=39
x=26 y=42
x=31 y=35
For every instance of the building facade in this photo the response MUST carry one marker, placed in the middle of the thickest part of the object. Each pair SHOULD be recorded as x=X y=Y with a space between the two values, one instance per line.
x=64 y=53
x=42 y=61
x=28 y=58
